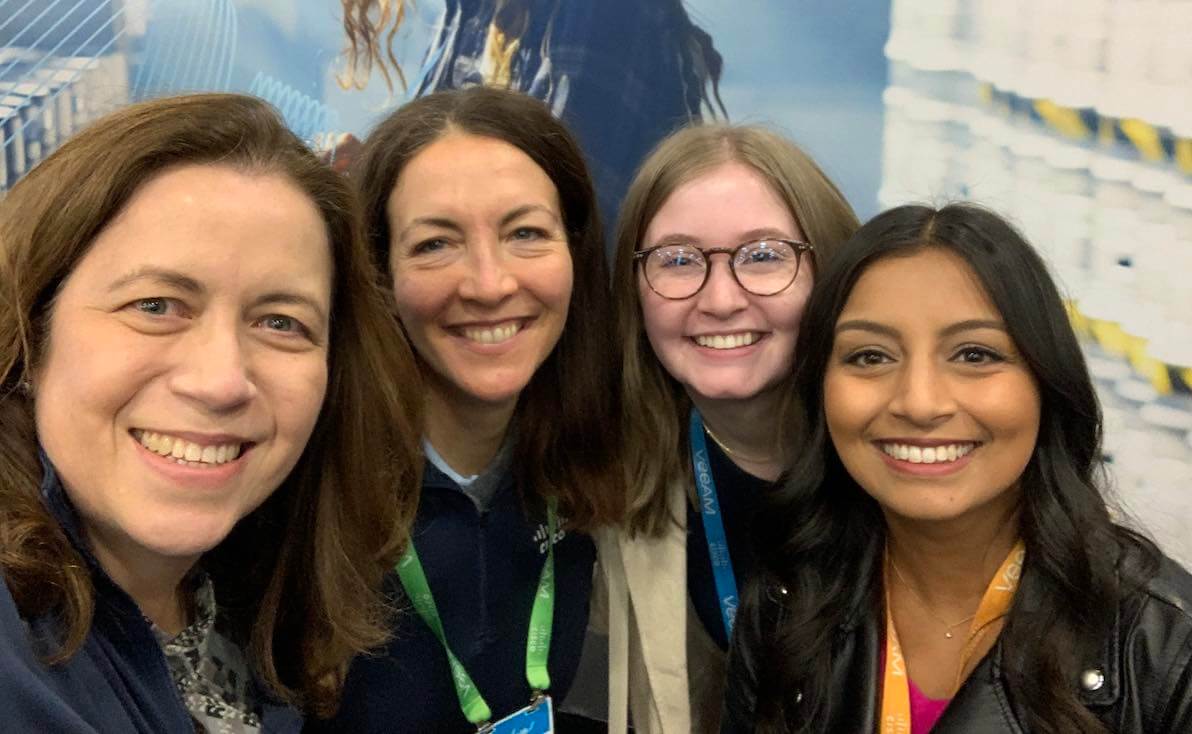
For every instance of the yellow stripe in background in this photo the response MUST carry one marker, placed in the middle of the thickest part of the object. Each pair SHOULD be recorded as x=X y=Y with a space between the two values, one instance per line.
x=1147 y=366
x=1080 y=322
x=1145 y=137
x=1065 y=120
x=1110 y=336
x=1183 y=154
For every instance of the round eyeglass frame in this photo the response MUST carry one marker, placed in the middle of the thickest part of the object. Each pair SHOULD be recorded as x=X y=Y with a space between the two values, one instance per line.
x=798 y=246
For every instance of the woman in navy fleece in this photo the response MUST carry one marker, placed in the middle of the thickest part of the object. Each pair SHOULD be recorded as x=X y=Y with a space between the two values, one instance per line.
x=479 y=204
x=189 y=328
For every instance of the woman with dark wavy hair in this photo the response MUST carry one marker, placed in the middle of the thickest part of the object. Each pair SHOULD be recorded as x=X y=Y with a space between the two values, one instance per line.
x=207 y=452
x=942 y=557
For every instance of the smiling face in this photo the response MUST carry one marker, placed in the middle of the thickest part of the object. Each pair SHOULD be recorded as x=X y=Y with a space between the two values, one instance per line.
x=929 y=404
x=187 y=361
x=481 y=266
x=724 y=342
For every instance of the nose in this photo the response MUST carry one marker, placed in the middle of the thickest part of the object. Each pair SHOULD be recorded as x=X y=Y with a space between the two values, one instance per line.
x=488 y=280
x=722 y=296
x=923 y=394
x=213 y=367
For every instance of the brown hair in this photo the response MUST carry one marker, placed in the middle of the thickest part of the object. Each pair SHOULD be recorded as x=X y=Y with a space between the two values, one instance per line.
x=565 y=420
x=655 y=405
x=298 y=578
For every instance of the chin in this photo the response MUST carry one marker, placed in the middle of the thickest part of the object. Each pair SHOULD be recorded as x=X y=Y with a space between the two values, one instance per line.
x=734 y=391
x=188 y=538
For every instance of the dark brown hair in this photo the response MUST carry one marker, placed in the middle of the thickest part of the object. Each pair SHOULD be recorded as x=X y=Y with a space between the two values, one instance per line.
x=298 y=578
x=565 y=428
x=655 y=444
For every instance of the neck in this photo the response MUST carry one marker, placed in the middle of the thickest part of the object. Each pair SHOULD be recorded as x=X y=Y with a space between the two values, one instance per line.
x=950 y=564
x=466 y=433
x=154 y=582
x=748 y=429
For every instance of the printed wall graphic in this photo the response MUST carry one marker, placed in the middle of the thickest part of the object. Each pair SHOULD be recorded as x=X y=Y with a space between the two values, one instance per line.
x=1071 y=122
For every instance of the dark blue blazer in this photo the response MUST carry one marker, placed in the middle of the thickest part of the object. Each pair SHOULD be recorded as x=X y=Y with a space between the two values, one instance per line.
x=483 y=570
x=117 y=682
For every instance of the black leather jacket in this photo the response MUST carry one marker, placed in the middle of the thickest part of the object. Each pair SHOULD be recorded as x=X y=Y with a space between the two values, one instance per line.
x=1142 y=682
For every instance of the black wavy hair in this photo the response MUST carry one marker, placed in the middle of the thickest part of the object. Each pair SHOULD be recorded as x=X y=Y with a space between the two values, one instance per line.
x=823 y=532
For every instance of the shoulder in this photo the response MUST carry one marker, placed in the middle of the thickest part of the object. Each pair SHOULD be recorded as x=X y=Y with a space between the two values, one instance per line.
x=1171 y=588
x=1163 y=601
x=16 y=646
x=1156 y=645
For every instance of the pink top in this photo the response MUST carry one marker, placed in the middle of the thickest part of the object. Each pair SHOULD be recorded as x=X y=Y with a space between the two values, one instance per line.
x=925 y=711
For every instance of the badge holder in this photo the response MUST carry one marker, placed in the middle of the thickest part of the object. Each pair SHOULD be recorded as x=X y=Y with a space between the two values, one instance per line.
x=537 y=718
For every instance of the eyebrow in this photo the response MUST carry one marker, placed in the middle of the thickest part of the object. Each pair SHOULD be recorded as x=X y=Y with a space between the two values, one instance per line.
x=451 y=224
x=287 y=298
x=752 y=235
x=949 y=330
x=164 y=276
x=175 y=279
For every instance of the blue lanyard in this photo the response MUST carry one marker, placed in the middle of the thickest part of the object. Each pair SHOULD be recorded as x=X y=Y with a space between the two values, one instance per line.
x=709 y=507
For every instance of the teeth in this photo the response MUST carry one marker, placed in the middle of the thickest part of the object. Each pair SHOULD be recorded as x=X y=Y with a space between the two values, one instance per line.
x=493 y=335
x=929 y=454
x=727 y=341
x=186 y=452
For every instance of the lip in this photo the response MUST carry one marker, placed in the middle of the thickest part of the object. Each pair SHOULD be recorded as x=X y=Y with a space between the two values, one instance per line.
x=487 y=323
x=203 y=439
x=209 y=478
x=456 y=332
x=711 y=353
x=926 y=443
x=940 y=469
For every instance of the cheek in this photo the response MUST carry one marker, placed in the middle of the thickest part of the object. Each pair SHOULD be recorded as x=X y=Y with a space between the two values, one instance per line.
x=73 y=395
x=296 y=392
x=847 y=409
x=663 y=322
x=418 y=297
x=785 y=310
x=557 y=283
x=1013 y=407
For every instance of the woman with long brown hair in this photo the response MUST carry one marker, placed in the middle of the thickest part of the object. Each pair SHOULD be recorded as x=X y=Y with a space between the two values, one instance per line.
x=204 y=414
x=479 y=206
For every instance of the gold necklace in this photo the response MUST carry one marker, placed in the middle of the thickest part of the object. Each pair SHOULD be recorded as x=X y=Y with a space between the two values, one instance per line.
x=730 y=452
x=923 y=603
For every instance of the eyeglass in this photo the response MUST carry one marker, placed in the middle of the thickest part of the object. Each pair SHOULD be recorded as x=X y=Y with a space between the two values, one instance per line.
x=763 y=268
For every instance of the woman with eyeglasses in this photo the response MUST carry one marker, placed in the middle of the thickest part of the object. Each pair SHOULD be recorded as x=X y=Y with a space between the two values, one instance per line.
x=717 y=247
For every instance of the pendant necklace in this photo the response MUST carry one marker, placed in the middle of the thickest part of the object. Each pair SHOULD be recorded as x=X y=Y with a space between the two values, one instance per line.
x=730 y=452
x=923 y=603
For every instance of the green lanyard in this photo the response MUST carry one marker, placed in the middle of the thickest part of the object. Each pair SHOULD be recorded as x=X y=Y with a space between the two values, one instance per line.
x=473 y=705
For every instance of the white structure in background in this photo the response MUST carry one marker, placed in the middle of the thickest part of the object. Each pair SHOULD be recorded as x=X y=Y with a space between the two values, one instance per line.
x=62 y=64
x=1117 y=232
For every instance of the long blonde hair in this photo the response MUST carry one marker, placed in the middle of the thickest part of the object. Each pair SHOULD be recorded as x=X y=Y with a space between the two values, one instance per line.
x=654 y=404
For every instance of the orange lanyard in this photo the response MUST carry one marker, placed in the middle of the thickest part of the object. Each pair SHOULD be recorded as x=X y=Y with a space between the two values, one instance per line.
x=995 y=604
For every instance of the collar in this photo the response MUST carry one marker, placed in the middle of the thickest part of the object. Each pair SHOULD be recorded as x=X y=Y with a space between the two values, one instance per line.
x=54 y=496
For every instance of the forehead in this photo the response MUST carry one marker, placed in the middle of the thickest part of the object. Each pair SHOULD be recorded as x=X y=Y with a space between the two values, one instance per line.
x=463 y=173
x=929 y=286
x=721 y=203
x=214 y=223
